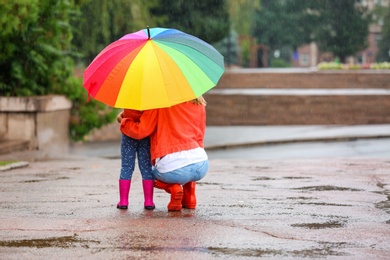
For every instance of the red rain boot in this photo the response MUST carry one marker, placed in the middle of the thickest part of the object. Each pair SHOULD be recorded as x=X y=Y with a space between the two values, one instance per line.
x=161 y=185
x=189 y=197
x=124 y=188
x=176 y=192
x=147 y=185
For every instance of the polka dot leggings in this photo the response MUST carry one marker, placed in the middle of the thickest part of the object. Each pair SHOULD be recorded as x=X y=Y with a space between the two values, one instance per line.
x=130 y=149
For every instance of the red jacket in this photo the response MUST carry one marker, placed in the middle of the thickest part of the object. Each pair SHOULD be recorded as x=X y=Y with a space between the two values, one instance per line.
x=178 y=128
x=130 y=113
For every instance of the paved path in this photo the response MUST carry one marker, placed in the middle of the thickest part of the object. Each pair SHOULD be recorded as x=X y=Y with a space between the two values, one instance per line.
x=230 y=136
x=63 y=206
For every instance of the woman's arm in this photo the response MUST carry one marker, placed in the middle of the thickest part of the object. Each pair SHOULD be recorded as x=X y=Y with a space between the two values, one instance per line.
x=144 y=128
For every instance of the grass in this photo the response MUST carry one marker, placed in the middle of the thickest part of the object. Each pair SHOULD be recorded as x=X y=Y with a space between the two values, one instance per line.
x=2 y=163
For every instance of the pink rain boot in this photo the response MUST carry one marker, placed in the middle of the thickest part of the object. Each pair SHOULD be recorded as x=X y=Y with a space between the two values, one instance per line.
x=124 y=188
x=148 y=194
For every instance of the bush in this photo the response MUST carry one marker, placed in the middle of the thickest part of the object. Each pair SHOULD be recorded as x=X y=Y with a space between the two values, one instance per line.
x=37 y=59
x=280 y=63
x=86 y=115
x=329 y=66
x=381 y=66
x=337 y=66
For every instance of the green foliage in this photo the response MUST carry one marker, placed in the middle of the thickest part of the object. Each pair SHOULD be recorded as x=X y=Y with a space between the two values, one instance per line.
x=206 y=19
x=380 y=66
x=241 y=15
x=280 y=63
x=344 y=27
x=37 y=59
x=280 y=26
x=336 y=26
x=384 y=44
x=338 y=66
x=35 y=47
x=3 y=163
x=86 y=115
x=276 y=26
x=102 y=22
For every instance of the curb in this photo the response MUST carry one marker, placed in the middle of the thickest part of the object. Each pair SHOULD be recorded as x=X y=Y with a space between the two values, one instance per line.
x=14 y=165
x=295 y=140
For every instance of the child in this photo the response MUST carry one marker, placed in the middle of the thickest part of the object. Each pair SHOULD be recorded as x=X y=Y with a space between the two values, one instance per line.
x=130 y=148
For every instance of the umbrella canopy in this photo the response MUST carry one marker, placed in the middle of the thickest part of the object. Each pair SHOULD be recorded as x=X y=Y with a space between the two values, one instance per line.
x=153 y=68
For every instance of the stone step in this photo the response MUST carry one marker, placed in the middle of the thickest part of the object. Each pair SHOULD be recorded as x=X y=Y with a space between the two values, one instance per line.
x=304 y=78
x=313 y=107
x=8 y=146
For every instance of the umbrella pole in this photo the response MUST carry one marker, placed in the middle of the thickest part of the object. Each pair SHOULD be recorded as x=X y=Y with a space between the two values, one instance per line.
x=147 y=27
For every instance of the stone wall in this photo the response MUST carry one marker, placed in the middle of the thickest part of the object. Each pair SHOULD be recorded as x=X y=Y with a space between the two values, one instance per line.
x=297 y=110
x=43 y=121
x=305 y=109
x=254 y=78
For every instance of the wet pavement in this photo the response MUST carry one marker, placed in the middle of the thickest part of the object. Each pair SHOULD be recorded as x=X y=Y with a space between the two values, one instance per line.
x=63 y=206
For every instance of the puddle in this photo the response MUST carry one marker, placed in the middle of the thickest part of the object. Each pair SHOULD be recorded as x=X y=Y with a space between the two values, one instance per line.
x=329 y=224
x=384 y=205
x=324 y=204
x=324 y=250
x=263 y=178
x=380 y=185
x=297 y=178
x=209 y=183
x=56 y=179
x=326 y=188
x=301 y=198
x=61 y=242
x=252 y=167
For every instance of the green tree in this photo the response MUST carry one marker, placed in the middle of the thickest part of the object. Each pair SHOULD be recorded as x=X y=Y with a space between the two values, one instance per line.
x=241 y=14
x=384 y=44
x=276 y=27
x=102 y=22
x=344 y=27
x=336 y=26
x=206 y=19
x=35 y=46
x=37 y=59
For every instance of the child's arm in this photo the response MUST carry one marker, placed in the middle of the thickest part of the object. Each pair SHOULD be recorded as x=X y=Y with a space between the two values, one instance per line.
x=119 y=117
x=142 y=128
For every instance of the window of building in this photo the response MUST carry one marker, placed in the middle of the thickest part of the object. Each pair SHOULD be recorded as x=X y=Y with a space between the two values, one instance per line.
x=304 y=59
x=361 y=59
x=378 y=38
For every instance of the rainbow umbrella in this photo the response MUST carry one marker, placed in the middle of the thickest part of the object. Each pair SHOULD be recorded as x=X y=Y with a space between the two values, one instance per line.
x=153 y=68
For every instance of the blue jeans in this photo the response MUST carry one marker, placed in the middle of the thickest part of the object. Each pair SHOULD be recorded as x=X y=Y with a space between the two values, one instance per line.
x=130 y=148
x=192 y=172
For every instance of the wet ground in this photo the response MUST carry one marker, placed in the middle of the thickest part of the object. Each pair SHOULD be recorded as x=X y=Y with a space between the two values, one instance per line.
x=298 y=199
x=361 y=148
x=278 y=209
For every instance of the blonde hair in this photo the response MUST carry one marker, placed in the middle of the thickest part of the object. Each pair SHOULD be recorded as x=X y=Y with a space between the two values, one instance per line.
x=199 y=101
